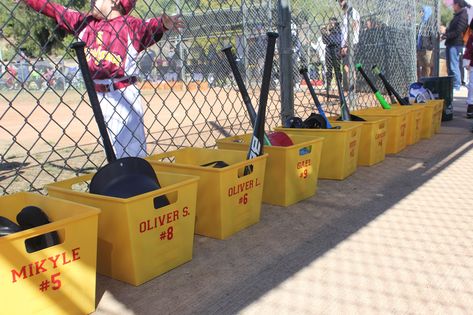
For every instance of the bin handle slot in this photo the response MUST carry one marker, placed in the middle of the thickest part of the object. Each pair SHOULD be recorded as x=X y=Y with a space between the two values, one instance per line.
x=245 y=170
x=305 y=150
x=167 y=158
x=43 y=241
x=160 y=201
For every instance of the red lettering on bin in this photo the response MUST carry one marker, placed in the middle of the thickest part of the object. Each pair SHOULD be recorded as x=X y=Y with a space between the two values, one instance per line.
x=44 y=265
x=239 y=188
x=303 y=164
x=158 y=221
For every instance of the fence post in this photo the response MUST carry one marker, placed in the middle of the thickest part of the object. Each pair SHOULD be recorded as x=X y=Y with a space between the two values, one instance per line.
x=436 y=51
x=285 y=53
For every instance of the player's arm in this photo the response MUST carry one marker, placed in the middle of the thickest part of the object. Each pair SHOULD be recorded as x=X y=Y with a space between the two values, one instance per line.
x=156 y=27
x=68 y=19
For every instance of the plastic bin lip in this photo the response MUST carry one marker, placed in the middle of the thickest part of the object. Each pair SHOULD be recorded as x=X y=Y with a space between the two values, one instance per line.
x=153 y=159
x=279 y=148
x=164 y=190
x=52 y=226
x=393 y=112
x=356 y=124
x=372 y=121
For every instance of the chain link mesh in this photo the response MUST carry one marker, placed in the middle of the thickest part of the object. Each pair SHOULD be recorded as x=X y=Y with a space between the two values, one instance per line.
x=48 y=133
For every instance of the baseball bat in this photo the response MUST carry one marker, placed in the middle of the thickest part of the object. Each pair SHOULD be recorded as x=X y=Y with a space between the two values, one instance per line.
x=99 y=119
x=256 y=143
x=243 y=91
x=345 y=112
x=378 y=95
x=303 y=71
x=389 y=87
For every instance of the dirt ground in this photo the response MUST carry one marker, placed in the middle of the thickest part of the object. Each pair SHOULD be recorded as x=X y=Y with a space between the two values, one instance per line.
x=49 y=136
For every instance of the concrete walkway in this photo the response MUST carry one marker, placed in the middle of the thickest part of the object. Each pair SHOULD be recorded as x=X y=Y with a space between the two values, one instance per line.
x=396 y=237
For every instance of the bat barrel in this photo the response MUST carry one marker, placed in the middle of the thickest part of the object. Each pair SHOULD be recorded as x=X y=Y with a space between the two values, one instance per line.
x=303 y=71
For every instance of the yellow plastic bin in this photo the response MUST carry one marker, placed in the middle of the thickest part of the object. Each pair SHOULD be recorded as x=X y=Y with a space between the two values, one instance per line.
x=438 y=109
x=372 y=148
x=428 y=123
x=339 y=157
x=55 y=280
x=415 y=118
x=228 y=201
x=291 y=172
x=397 y=126
x=136 y=241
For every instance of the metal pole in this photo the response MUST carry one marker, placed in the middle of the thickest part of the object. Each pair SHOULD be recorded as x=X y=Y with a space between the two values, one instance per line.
x=179 y=44
x=244 y=42
x=285 y=53
x=436 y=52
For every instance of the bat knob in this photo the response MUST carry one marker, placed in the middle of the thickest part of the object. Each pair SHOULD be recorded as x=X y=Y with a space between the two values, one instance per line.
x=78 y=45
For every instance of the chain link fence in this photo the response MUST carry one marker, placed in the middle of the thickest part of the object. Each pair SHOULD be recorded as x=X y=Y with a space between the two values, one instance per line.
x=47 y=130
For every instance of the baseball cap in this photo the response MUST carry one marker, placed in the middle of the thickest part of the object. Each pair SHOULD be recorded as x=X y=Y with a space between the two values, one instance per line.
x=127 y=5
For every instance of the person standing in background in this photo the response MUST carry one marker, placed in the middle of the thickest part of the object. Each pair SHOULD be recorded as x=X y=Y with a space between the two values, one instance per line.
x=425 y=44
x=350 y=39
x=454 y=40
x=332 y=37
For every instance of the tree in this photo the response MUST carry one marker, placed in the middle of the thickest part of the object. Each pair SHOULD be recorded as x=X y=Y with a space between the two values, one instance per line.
x=34 y=32
x=446 y=14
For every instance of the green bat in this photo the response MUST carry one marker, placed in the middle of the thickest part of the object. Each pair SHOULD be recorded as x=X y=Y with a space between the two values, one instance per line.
x=378 y=95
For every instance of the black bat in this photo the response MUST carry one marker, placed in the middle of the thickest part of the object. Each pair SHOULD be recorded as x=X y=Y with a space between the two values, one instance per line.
x=257 y=139
x=242 y=88
x=303 y=71
x=345 y=112
x=389 y=87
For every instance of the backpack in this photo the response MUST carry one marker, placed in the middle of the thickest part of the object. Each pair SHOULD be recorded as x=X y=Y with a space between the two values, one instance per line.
x=466 y=35
x=419 y=94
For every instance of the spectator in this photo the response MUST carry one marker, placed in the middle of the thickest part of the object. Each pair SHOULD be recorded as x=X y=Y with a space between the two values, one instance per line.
x=349 y=45
x=454 y=40
x=332 y=38
x=425 y=44
x=319 y=60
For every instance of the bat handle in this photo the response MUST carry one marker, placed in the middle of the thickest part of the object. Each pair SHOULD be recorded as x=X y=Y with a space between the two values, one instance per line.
x=303 y=71
x=239 y=81
x=243 y=91
x=94 y=101
x=345 y=112
x=268 y=66
x=389 y=87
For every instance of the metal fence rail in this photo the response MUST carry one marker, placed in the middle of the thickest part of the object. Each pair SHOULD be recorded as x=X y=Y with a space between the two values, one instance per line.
x=47 y=132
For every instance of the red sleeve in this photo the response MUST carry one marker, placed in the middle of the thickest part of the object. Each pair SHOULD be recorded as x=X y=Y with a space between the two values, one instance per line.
x=152 y=31
x=69 y=20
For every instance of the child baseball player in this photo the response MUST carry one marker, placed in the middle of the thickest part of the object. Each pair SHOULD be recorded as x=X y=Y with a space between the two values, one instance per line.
x=114 y=39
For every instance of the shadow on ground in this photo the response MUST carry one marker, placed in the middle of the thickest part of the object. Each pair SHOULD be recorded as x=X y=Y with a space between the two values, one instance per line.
x=224 y=277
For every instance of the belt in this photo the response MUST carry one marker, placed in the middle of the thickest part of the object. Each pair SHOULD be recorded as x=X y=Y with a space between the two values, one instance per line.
x=117 y=85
